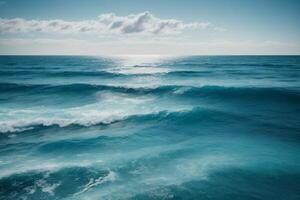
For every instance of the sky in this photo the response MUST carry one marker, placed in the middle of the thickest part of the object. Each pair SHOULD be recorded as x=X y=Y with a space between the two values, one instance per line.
x=159 y=27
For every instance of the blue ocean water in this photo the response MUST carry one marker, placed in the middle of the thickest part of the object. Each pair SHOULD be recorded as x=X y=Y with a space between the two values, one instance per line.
x=150 y=127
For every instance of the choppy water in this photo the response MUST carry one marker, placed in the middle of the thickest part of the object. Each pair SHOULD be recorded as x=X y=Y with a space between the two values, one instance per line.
x=149 y=127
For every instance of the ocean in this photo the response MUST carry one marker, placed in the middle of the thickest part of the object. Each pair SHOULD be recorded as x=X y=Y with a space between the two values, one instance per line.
x=150 y=127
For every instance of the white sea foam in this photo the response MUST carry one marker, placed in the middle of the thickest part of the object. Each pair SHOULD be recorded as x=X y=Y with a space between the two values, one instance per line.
x=182 y=90
x=27 y=164
x=111 y=176
x=155 y=181
x=80 y=116
x=147 y=179
x=42 y=185
x=111 y=107
x=46 y=187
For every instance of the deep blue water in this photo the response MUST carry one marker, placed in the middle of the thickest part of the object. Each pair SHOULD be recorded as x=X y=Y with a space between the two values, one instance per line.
x=149 y=127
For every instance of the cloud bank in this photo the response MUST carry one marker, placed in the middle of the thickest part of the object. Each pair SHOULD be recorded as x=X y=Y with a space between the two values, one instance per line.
x=142 y=23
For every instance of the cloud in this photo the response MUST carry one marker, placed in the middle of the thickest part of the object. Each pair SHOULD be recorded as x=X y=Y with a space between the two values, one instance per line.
x=147 y=23
x=142 y=23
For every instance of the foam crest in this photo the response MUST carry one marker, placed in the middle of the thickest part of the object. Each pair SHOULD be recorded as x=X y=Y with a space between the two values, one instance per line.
x=110 y=177
x=110 y=108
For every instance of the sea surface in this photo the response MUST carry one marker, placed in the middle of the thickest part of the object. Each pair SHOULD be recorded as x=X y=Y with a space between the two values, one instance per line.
x=150 y=127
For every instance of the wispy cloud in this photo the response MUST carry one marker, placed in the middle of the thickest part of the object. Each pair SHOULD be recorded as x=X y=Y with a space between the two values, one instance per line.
x=142 y=23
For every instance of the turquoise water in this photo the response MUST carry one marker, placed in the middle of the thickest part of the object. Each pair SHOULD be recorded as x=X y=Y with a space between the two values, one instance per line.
x=150 y=127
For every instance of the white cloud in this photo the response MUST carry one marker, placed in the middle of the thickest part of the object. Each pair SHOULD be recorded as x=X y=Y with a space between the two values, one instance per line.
x=142 y=23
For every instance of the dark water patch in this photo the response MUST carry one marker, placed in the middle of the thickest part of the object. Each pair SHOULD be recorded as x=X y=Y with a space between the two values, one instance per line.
x=84 y=74
x=41 y=95
x=189 y=73
x=231 y=184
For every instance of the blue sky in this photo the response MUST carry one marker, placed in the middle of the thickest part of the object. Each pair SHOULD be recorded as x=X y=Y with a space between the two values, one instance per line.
x=99 y=27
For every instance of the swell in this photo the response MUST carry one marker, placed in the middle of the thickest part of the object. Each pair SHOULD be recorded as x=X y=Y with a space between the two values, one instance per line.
x=241 y=99
x=182 y=116
x=251 y=93
x=271 y=93
x=190 y=73
x=239 y=64
x=102 y=74
x=58 y=73
x=204 y=118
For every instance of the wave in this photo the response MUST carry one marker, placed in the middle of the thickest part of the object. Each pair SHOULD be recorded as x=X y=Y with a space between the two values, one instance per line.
x=109 y=107
x=58 y=73
x=86 y=117
x=192 y=91
x=48 y=88
x=139 y=70
x=93 y=178
x=90 y=117
x=189 y=73
x=237 y=64
x=84 y=73
x=244 y=92
x=106 y=72
x=115 y=103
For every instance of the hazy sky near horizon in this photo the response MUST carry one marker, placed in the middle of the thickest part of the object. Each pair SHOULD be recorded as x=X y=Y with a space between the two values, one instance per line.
x=113 y=27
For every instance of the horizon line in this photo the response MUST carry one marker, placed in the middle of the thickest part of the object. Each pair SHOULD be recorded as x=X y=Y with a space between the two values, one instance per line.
x=162 y=55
